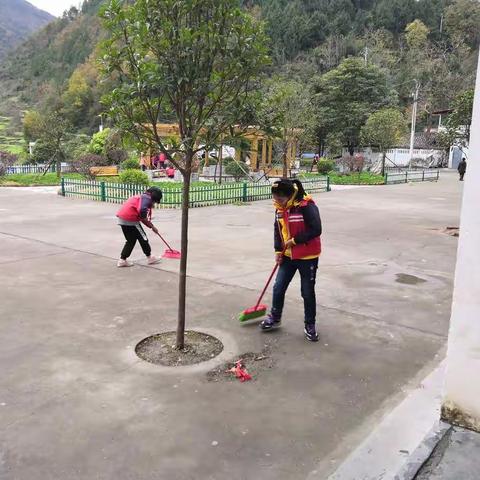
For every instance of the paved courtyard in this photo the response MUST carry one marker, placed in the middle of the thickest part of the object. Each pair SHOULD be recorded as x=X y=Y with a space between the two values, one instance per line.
x=77 y=404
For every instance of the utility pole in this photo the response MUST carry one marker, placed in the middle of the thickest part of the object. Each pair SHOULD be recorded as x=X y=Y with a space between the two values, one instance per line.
x=414 y=121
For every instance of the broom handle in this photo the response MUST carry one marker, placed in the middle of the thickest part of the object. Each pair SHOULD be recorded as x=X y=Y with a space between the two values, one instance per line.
x=275 y=268
x=164 y=241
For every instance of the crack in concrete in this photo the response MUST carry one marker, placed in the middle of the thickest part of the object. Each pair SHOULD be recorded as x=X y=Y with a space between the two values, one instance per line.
x=435 y=457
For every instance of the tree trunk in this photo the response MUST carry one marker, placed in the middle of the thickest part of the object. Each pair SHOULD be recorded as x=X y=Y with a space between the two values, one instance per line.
x=58 y=166
x=182 y=285
x=285 y=154
x=384 y=154
x=285 y=166
x=220 y=162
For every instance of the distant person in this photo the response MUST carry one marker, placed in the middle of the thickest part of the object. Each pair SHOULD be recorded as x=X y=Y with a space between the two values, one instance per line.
x=316 y=159
x=162 y=159
x=156 y=162
x=170 y=172
x=135 y=211
x=462 y=168
x=143 y=162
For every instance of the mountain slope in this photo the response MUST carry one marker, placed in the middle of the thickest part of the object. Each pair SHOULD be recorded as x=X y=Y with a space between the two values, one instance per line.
x=18 y=20
x=45 y=62
x=308 y=38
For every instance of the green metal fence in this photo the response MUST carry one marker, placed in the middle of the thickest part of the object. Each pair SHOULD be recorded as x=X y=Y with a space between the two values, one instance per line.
x=200 y=196
x=412 y=176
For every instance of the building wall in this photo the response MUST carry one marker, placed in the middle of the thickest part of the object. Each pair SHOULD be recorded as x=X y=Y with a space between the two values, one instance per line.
x=462 y=385
x=455 y=156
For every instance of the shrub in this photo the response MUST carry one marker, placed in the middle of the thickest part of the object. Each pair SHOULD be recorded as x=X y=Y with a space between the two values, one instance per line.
x=236 y=170
x=97 y=144
x=115 y=156
x=84 y=163
x=130 y=164
x=109 y=144
x=43 y=152
x=76 y=147
x=6 y=160
x=353 y=163
x=134 y=176
x=324 y=166
x=227 y=160
x=306 y=162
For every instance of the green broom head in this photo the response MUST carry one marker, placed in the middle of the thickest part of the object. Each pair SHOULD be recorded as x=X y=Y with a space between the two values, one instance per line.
x=254 y=312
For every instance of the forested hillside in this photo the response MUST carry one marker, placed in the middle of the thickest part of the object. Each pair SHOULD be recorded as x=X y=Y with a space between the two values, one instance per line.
x=429 y=44
x=40 y=67
x=18 y=20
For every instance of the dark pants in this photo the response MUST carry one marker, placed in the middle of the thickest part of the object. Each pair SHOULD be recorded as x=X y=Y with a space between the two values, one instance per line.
x=462 y=174
x=132 y=234
x=308 y=274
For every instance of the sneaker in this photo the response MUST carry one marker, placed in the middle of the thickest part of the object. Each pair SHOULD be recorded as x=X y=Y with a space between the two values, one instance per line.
x=124 y=263
x=310 y=333
x=151 y=260
x=269 y=323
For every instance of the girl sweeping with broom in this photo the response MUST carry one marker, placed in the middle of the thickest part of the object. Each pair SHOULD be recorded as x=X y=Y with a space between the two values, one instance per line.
x=297 y=233
x=137 y=210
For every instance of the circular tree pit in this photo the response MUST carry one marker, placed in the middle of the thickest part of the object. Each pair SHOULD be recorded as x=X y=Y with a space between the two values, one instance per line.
x=160 y=349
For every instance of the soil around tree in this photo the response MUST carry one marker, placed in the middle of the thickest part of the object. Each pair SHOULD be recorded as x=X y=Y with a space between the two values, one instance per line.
x=160 y=349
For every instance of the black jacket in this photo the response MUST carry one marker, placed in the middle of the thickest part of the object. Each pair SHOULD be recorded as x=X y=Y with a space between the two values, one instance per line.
x=462 y=166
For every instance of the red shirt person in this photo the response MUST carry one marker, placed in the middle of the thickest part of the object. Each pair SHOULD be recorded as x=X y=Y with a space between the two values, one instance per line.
x=170 y=172
x=135 y=211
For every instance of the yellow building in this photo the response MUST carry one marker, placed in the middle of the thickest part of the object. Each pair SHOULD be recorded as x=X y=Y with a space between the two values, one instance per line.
x=260 y=152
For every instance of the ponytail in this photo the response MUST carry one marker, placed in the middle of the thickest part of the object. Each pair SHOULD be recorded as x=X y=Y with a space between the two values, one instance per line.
x=287 y=188
x=301 y=193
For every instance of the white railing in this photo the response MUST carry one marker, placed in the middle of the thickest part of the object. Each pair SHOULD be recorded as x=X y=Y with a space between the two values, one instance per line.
x=16 y=169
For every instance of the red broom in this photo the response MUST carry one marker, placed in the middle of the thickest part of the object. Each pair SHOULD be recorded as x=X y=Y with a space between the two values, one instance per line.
x=259 y=310
x=170 y=252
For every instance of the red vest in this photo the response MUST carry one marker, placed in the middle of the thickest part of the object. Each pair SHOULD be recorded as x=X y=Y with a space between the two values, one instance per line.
x=130 y=210
x=296 y=224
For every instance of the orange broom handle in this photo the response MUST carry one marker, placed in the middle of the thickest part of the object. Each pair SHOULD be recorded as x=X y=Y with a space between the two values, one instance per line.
x=165 y=242
x=275 y=268
x=276 y=265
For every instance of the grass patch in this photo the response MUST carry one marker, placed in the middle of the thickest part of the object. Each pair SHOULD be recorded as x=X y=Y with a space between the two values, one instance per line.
x=363 y=178
x=51 y=179
x=34 y=179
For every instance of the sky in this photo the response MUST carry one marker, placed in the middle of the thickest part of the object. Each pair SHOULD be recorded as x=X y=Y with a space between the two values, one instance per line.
x=55 y=7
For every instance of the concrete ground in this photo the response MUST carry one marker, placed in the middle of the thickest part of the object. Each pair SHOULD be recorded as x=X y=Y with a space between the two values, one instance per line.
x=76 y=403
x=454 y=458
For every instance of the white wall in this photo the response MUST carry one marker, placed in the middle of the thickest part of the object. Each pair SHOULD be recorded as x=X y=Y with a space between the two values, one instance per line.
x=401 y=156
x=462 y=395
x=464 y=152
x=397 y=156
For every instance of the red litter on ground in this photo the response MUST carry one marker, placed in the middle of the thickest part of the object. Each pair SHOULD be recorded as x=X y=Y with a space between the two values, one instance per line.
x=240 y=371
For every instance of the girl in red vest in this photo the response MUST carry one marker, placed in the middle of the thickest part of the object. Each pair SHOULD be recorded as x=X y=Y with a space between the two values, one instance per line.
x=134 y=211
x=297 y=233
